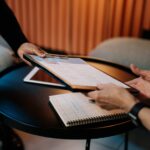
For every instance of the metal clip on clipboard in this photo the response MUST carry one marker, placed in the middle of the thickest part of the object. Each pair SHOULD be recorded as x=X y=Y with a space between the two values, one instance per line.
x=48 y=55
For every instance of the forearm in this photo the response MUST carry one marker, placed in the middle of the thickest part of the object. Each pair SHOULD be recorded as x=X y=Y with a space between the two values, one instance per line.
x=9 y=27
x=129 y=102
x=144 y=116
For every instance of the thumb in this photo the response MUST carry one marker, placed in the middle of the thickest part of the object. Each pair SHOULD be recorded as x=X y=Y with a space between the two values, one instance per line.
x=101 y=86
x=135 y=69
x=39 y=52
x=143 y=73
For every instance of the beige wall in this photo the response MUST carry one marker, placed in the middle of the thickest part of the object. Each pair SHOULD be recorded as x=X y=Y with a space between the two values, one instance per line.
x=77 y=26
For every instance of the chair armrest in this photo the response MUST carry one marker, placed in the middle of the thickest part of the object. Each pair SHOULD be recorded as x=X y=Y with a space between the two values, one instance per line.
x=6 y=55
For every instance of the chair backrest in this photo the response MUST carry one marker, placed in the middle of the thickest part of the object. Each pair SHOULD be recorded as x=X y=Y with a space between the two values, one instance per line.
x=6 y=53
x=124 y=51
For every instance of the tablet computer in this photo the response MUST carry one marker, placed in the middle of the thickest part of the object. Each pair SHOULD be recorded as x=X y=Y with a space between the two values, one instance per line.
x=38 y=76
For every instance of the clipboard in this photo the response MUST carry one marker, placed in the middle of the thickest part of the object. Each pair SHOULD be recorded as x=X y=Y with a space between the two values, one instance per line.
x=54 y=63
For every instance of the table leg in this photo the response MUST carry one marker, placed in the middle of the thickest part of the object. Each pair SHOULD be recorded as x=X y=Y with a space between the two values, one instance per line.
x=126 y=141
x=88 y=141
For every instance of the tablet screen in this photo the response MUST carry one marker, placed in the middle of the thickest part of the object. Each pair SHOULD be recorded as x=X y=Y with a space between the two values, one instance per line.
x=38 y=76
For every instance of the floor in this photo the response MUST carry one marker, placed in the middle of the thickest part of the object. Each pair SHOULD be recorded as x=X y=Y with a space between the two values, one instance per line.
x=138 y=140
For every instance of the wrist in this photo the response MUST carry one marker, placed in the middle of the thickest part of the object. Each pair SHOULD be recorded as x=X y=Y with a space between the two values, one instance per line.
x=129 y=104
x=135 y=111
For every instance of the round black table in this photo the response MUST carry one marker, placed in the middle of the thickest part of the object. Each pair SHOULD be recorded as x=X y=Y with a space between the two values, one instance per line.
x=25 y=106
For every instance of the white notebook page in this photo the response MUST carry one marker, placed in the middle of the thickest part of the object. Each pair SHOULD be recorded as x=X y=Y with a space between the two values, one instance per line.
x=76 y=106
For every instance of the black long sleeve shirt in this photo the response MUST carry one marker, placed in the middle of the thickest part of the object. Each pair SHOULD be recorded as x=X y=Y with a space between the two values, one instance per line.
x=10 y=28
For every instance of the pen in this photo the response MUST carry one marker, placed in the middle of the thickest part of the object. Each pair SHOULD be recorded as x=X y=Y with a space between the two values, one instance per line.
x=89 y=98
x=92 y=100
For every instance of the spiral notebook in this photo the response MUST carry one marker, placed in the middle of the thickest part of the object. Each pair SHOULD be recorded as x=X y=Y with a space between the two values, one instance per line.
x=77 y=109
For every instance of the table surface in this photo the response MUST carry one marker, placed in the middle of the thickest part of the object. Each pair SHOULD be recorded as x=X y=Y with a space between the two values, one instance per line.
x=25 y=106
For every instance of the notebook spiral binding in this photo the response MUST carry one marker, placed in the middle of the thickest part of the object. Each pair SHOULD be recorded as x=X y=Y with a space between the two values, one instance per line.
x=97 y=119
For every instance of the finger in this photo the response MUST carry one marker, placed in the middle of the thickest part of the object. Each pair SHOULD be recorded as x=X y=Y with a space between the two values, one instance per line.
x=100 y=86
x=20 y=53
x=27 y=62
x=109 y=106
x=134 y=81
x=39 y=52
x=106 y=105
x=25 y=51
x=133 y=87
x=93 y=95
x=143 y=73
x=135 y=69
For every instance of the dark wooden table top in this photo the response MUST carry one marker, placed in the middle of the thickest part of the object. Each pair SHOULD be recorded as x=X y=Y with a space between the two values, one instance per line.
x=25 y=106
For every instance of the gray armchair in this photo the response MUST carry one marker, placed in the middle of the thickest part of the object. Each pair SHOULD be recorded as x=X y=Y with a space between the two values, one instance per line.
x=124 y=51
x=6 y=58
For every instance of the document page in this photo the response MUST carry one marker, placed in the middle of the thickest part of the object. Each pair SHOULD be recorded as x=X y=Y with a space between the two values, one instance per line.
x=76 y=72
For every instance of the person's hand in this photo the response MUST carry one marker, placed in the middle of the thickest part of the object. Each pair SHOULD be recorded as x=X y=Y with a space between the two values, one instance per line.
x=142 y=83
x=145 y=74
x=29 y=48
x=143 y=86
x=113 y=95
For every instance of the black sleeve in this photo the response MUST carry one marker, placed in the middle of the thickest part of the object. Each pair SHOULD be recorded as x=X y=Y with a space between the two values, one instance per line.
x=9 y=27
